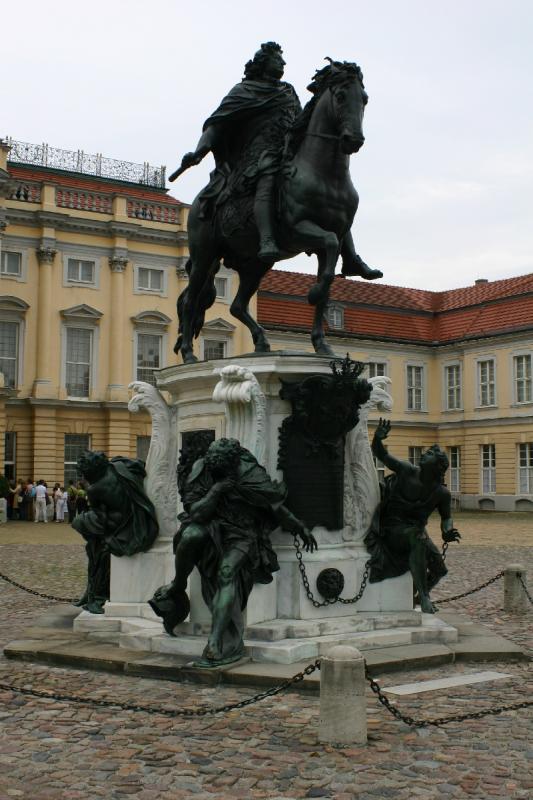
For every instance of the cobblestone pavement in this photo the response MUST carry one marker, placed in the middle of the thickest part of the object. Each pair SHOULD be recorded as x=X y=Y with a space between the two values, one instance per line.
x=55 y=751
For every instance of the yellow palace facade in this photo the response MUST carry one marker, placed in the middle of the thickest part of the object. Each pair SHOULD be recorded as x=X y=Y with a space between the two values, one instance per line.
x=93 y=255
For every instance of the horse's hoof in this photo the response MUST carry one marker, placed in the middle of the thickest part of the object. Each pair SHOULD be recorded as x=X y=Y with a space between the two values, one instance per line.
x=262 y=347
x=189 y=358
x=324 y=349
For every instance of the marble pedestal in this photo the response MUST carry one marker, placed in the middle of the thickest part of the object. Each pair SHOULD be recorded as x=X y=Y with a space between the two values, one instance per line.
x=240 y=399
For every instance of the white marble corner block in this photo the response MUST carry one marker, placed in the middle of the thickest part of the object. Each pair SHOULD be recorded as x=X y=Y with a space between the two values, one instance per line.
x=134 y=579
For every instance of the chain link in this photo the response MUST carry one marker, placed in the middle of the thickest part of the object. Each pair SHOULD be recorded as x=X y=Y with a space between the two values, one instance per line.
x=333 y=600
x=524 y=587
x=167 y=712
x=38 y=594
x=445 y=546
x=472 y=591
x=437 y=721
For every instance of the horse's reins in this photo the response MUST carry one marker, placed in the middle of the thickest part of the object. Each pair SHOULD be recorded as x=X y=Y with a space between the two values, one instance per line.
x=323 y=135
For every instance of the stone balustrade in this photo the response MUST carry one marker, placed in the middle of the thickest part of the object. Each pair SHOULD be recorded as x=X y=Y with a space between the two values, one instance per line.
x=153 y=212
x=84 y=201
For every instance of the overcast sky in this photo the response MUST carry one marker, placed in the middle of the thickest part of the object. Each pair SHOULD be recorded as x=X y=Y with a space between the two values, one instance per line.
x=445 y=177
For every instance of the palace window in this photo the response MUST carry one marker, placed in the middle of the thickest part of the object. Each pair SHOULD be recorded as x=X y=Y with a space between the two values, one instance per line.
x=221 y=288
x=214 y=348
x=142 y=447
x=9 y=349
x=149 y=351
x=522 y=378
x=150 y=280
x=376 y=368
x=79 y=344
x=415 y=388
x=525 y=468
x=414 y=456
x=80 y=271
x=486 y=379
x=335 y=316
x=454 y=456
x=75 y=444
x=10 y=455
x=488 y=468
x=452 y=375
x=11 y=264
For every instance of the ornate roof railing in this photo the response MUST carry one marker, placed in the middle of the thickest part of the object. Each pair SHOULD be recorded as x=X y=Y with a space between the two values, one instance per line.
x=43 y=155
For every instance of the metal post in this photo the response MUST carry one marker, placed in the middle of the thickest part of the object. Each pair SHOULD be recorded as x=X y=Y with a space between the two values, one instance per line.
x=514 y=597
x=342 y=697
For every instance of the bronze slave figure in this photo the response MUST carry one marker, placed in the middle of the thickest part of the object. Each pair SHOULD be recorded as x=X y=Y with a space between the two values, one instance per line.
x=231 y=506
x=397 y=540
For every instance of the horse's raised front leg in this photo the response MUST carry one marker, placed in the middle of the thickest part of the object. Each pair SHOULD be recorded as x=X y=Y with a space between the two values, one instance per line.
x=311 y=236
x=249 y=281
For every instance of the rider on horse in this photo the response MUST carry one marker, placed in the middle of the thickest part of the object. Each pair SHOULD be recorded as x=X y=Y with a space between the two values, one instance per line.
x=247 y=136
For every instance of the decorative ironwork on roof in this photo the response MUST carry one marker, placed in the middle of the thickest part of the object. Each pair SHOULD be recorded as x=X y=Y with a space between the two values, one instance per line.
x=77 y=161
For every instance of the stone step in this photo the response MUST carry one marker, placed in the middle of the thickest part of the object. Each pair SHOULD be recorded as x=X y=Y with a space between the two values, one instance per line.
x=276 y=630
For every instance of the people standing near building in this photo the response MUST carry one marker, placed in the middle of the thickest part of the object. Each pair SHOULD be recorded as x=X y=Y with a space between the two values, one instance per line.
x=29 y=495
x=72 y=495
x=60 y=500
x=57 y=499
x=55 y=491
x=81 y=499
x=40 y=502
x=17 y=499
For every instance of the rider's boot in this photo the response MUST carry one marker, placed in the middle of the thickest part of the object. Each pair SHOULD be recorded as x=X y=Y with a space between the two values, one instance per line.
x=353 y=264
x=264 y=218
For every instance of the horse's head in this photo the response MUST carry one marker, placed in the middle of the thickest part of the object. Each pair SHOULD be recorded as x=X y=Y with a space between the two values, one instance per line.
x=344 y=80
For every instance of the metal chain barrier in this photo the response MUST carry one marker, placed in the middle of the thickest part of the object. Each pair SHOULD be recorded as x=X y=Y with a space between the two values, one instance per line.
x=437 y=721
x=167 y=712
x=38 y=594
x=472 y=591
x=526 y=590
x=331 y=601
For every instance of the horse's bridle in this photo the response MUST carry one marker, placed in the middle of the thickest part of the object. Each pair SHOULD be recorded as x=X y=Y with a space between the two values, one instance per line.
x=323 y=135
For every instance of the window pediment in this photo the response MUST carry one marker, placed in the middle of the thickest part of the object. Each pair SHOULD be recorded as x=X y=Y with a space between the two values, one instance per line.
x=220 y=325
x=152 y=318
x=82 y=312
x=10 y=303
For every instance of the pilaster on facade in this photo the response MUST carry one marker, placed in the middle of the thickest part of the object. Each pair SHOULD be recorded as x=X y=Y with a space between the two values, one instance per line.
x=45 y=448
x=46 y=254
x=181 y=272
x=118 y=263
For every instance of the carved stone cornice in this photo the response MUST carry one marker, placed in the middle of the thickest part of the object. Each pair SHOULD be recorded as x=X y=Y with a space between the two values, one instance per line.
x=46 y=255
x=118 y=263
x=64 y=222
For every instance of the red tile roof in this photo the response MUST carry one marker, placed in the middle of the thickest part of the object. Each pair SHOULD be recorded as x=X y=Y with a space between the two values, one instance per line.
x=402 y=314
x=76 y=181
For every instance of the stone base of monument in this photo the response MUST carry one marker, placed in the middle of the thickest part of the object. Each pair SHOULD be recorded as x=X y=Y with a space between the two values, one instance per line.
x=279 y=641
x=241 y=399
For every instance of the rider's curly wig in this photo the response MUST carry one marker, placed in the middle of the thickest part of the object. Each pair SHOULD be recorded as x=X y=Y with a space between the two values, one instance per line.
x=254 y=68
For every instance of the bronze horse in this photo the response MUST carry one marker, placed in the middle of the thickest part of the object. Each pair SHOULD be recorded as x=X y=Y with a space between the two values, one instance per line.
x=317 y=205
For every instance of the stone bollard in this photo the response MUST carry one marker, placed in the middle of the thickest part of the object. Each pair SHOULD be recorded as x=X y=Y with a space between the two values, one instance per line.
x=514 y=597
x=342 y=697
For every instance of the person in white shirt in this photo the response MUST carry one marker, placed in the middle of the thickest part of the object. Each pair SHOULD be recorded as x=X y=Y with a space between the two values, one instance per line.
x=40 y=502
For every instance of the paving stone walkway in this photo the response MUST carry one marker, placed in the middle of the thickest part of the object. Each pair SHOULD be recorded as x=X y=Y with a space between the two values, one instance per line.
x=55 y=751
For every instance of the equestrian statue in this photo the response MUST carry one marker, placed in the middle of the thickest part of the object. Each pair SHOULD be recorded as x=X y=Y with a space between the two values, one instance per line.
x=281 y=186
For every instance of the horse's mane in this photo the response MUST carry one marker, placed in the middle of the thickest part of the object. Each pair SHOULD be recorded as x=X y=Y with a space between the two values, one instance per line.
x=334 y=73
